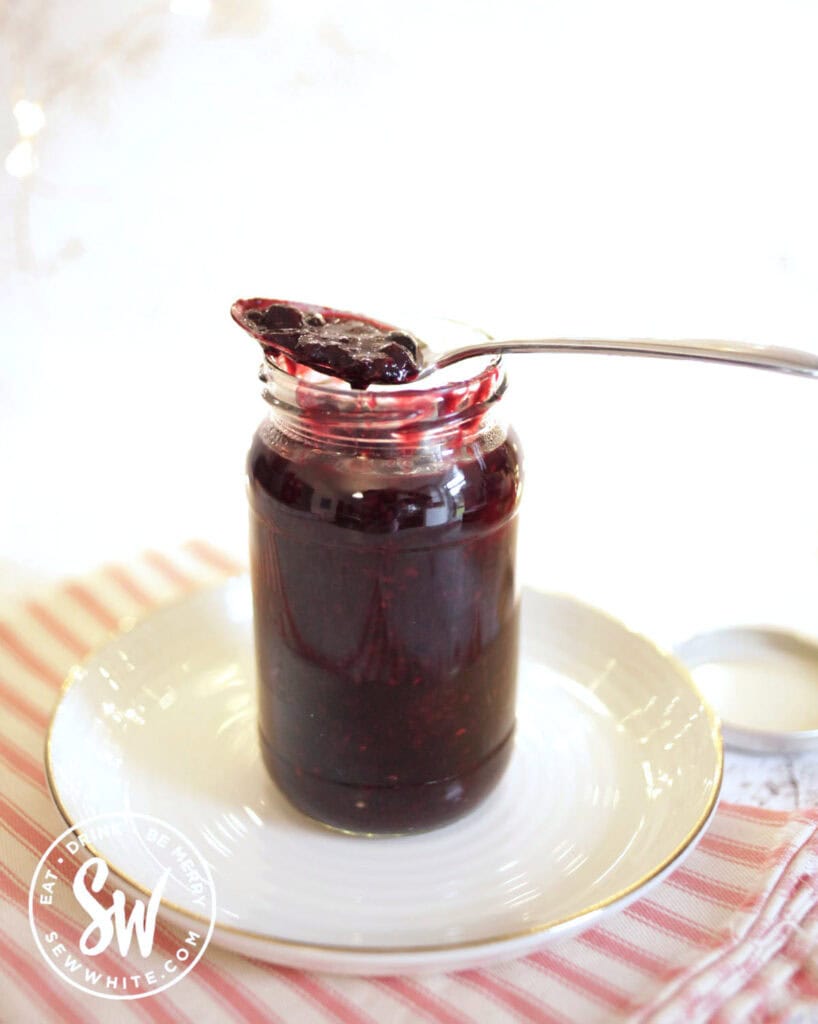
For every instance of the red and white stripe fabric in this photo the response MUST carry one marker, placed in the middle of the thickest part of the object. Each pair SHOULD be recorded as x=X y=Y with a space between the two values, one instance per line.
x=732 y=935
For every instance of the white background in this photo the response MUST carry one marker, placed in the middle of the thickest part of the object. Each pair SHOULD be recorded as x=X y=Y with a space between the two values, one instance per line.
x=544 y=168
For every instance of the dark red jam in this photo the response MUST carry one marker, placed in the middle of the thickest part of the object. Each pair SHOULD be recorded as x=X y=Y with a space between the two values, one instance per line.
x=353 y=348
x=386 y=608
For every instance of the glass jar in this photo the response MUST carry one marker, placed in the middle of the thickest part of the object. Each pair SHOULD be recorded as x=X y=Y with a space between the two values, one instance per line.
x=382 y=533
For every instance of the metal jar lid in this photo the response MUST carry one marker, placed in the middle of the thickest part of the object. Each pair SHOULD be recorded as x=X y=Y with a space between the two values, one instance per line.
x=762 y=682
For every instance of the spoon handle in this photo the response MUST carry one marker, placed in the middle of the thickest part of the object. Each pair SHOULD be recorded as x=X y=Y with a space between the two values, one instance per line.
x=763 y=357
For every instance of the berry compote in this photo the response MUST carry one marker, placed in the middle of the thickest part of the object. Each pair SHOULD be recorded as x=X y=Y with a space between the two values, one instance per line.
x=356 y=349
x=383 y=527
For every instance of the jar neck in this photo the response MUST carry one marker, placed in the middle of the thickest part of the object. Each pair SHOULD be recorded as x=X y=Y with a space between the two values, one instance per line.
x=326 y=414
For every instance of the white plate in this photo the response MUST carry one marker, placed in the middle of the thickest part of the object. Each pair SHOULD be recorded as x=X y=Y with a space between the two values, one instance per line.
x=615 y=771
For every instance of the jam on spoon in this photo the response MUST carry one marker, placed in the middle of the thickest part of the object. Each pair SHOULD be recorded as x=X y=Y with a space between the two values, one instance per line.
x=355 y=349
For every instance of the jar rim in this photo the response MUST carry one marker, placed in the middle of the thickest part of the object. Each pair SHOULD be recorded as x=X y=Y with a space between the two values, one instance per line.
x=457 y=391
x=439 y=381
x=383 y=408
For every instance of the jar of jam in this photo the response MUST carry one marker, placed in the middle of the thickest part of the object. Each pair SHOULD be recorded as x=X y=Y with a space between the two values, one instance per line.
x=382 y=531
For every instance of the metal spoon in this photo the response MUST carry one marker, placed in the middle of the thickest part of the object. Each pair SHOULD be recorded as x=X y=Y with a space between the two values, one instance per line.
x=764 y=357
x=413 y=359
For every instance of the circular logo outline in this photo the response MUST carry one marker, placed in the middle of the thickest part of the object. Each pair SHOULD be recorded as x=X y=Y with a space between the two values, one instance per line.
x=129 y=817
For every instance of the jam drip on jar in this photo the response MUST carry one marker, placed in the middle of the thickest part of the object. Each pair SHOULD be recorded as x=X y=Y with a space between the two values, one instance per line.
x=356 y=349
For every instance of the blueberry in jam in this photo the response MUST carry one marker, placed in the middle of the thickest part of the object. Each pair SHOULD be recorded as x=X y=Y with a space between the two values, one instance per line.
x=355 y=349
x=382 y=543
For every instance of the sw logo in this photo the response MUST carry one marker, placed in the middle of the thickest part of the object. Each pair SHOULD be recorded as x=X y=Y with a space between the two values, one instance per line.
x=88 y=935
